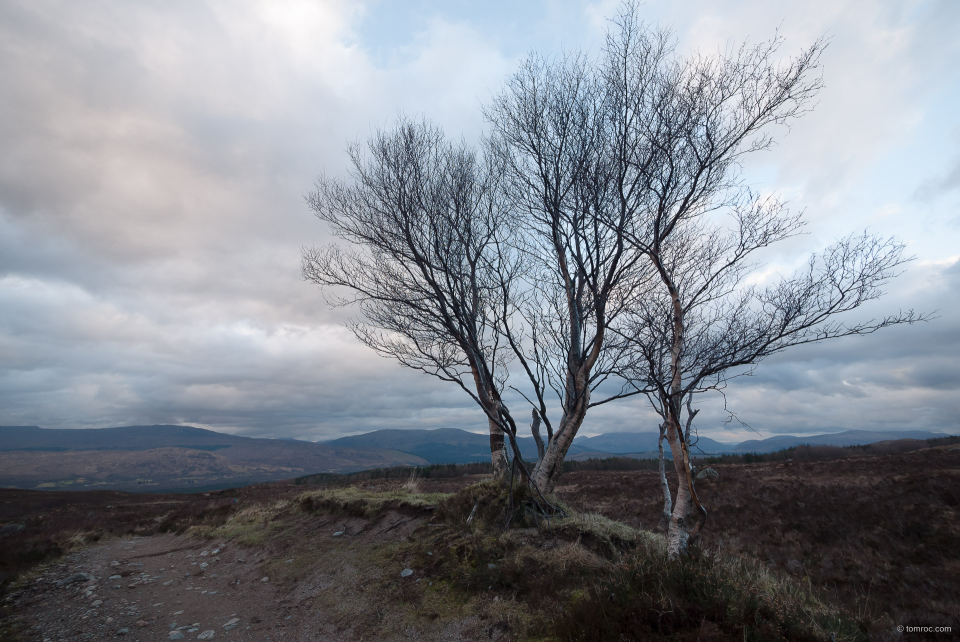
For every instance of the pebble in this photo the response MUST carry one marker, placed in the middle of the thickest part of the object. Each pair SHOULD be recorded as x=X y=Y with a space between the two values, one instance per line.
x=338 y=534
x=265 y=579
x=232 y=623
x=114 y=577
x=175 y=635
x=123 y=631
x=206 y=635
x=12 y=529
x=76 y=577
x=406 y=572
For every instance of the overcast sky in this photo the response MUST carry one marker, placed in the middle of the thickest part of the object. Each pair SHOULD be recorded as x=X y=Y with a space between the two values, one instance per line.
x=154 y=156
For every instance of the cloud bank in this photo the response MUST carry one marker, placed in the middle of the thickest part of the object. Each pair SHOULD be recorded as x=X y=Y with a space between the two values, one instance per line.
x=154 y=158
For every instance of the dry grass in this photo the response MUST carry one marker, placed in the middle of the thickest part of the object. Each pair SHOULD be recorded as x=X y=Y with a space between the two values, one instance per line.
x=878 y=534
x=866 y=523
x=367 y=503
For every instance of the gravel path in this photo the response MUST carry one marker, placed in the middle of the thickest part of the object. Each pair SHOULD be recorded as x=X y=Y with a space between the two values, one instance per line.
x=158 y=588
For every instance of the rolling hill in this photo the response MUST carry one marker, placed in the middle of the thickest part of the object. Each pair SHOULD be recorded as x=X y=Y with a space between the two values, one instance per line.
x=846 y=438
x=163 y=457
x=168 y=458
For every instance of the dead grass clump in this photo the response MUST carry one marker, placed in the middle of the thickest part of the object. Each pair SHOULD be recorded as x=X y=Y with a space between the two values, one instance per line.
x=603 y=536
x=492 y=503
x=79 y=539
x=648 y=596
x=412 y=485
x=364 y=503
x=203 y=515
x=248 y=526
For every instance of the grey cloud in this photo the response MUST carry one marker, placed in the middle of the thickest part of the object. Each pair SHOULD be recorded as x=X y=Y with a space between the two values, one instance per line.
x=153 y=160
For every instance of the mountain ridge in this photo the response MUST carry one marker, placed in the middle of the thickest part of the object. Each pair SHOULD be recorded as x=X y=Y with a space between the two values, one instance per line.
x=170 y=456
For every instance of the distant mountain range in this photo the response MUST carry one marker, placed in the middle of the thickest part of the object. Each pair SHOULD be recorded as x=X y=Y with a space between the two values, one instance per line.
x=450 y=445
x=439 y=446
x=152 y=458
x=846 y=438
x=168 y=458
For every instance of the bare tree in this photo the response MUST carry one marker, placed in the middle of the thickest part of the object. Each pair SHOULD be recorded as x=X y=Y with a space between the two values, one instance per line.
x=700 y=227
x=429 y=266
x=556 y=129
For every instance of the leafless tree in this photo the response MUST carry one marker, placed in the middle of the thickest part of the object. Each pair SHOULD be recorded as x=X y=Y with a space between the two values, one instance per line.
x=699 y=227
x=601 y=246
x=568 y=172
x=428 y=268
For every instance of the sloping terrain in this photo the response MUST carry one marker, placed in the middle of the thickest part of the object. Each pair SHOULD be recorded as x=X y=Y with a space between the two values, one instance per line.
x=846 y=438
x=642 y=442
x=881 y=532
x=161 y=458
x=877 y=534
x=392 y=563
x=168 y=457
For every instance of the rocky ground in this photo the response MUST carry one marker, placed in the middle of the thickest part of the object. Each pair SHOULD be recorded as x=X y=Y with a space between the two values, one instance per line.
x=152 y=588
x=310 y=579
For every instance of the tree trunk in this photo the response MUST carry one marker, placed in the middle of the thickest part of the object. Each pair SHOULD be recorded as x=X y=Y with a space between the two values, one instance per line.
x=664 y=484
x=548 y=470
x=677 y=536
x=535 y=429
x=491 y=406
x=498 y=450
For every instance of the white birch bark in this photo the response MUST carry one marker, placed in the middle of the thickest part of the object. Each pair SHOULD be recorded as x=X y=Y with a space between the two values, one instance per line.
x=664 y=484
x=677 y=536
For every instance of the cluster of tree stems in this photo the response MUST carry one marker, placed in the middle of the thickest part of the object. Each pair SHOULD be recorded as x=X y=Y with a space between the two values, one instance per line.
x=596 y=245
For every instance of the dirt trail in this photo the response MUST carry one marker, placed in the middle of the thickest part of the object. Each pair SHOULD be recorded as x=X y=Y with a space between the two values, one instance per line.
x=156 y=588
x=313 y=579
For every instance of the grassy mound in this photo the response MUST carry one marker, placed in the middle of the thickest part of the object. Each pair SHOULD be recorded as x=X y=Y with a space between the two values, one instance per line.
x=584 y=577
x=702 y=597
x=365 y=503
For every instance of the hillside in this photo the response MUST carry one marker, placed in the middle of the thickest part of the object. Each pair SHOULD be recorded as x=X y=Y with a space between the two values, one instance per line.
x=168 y=458
x=165 y=457
x=438 y=446
x=846 y=438
x=794 y=550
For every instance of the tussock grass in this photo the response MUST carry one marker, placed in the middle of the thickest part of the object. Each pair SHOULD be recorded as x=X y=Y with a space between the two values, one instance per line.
x=604 y=536
x=574 y=577
x=249 y=526
x=586 y=577
x=366 y=503
x=721 y=597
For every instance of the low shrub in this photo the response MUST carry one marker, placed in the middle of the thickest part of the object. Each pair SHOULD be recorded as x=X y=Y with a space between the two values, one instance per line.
x=716 y=597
